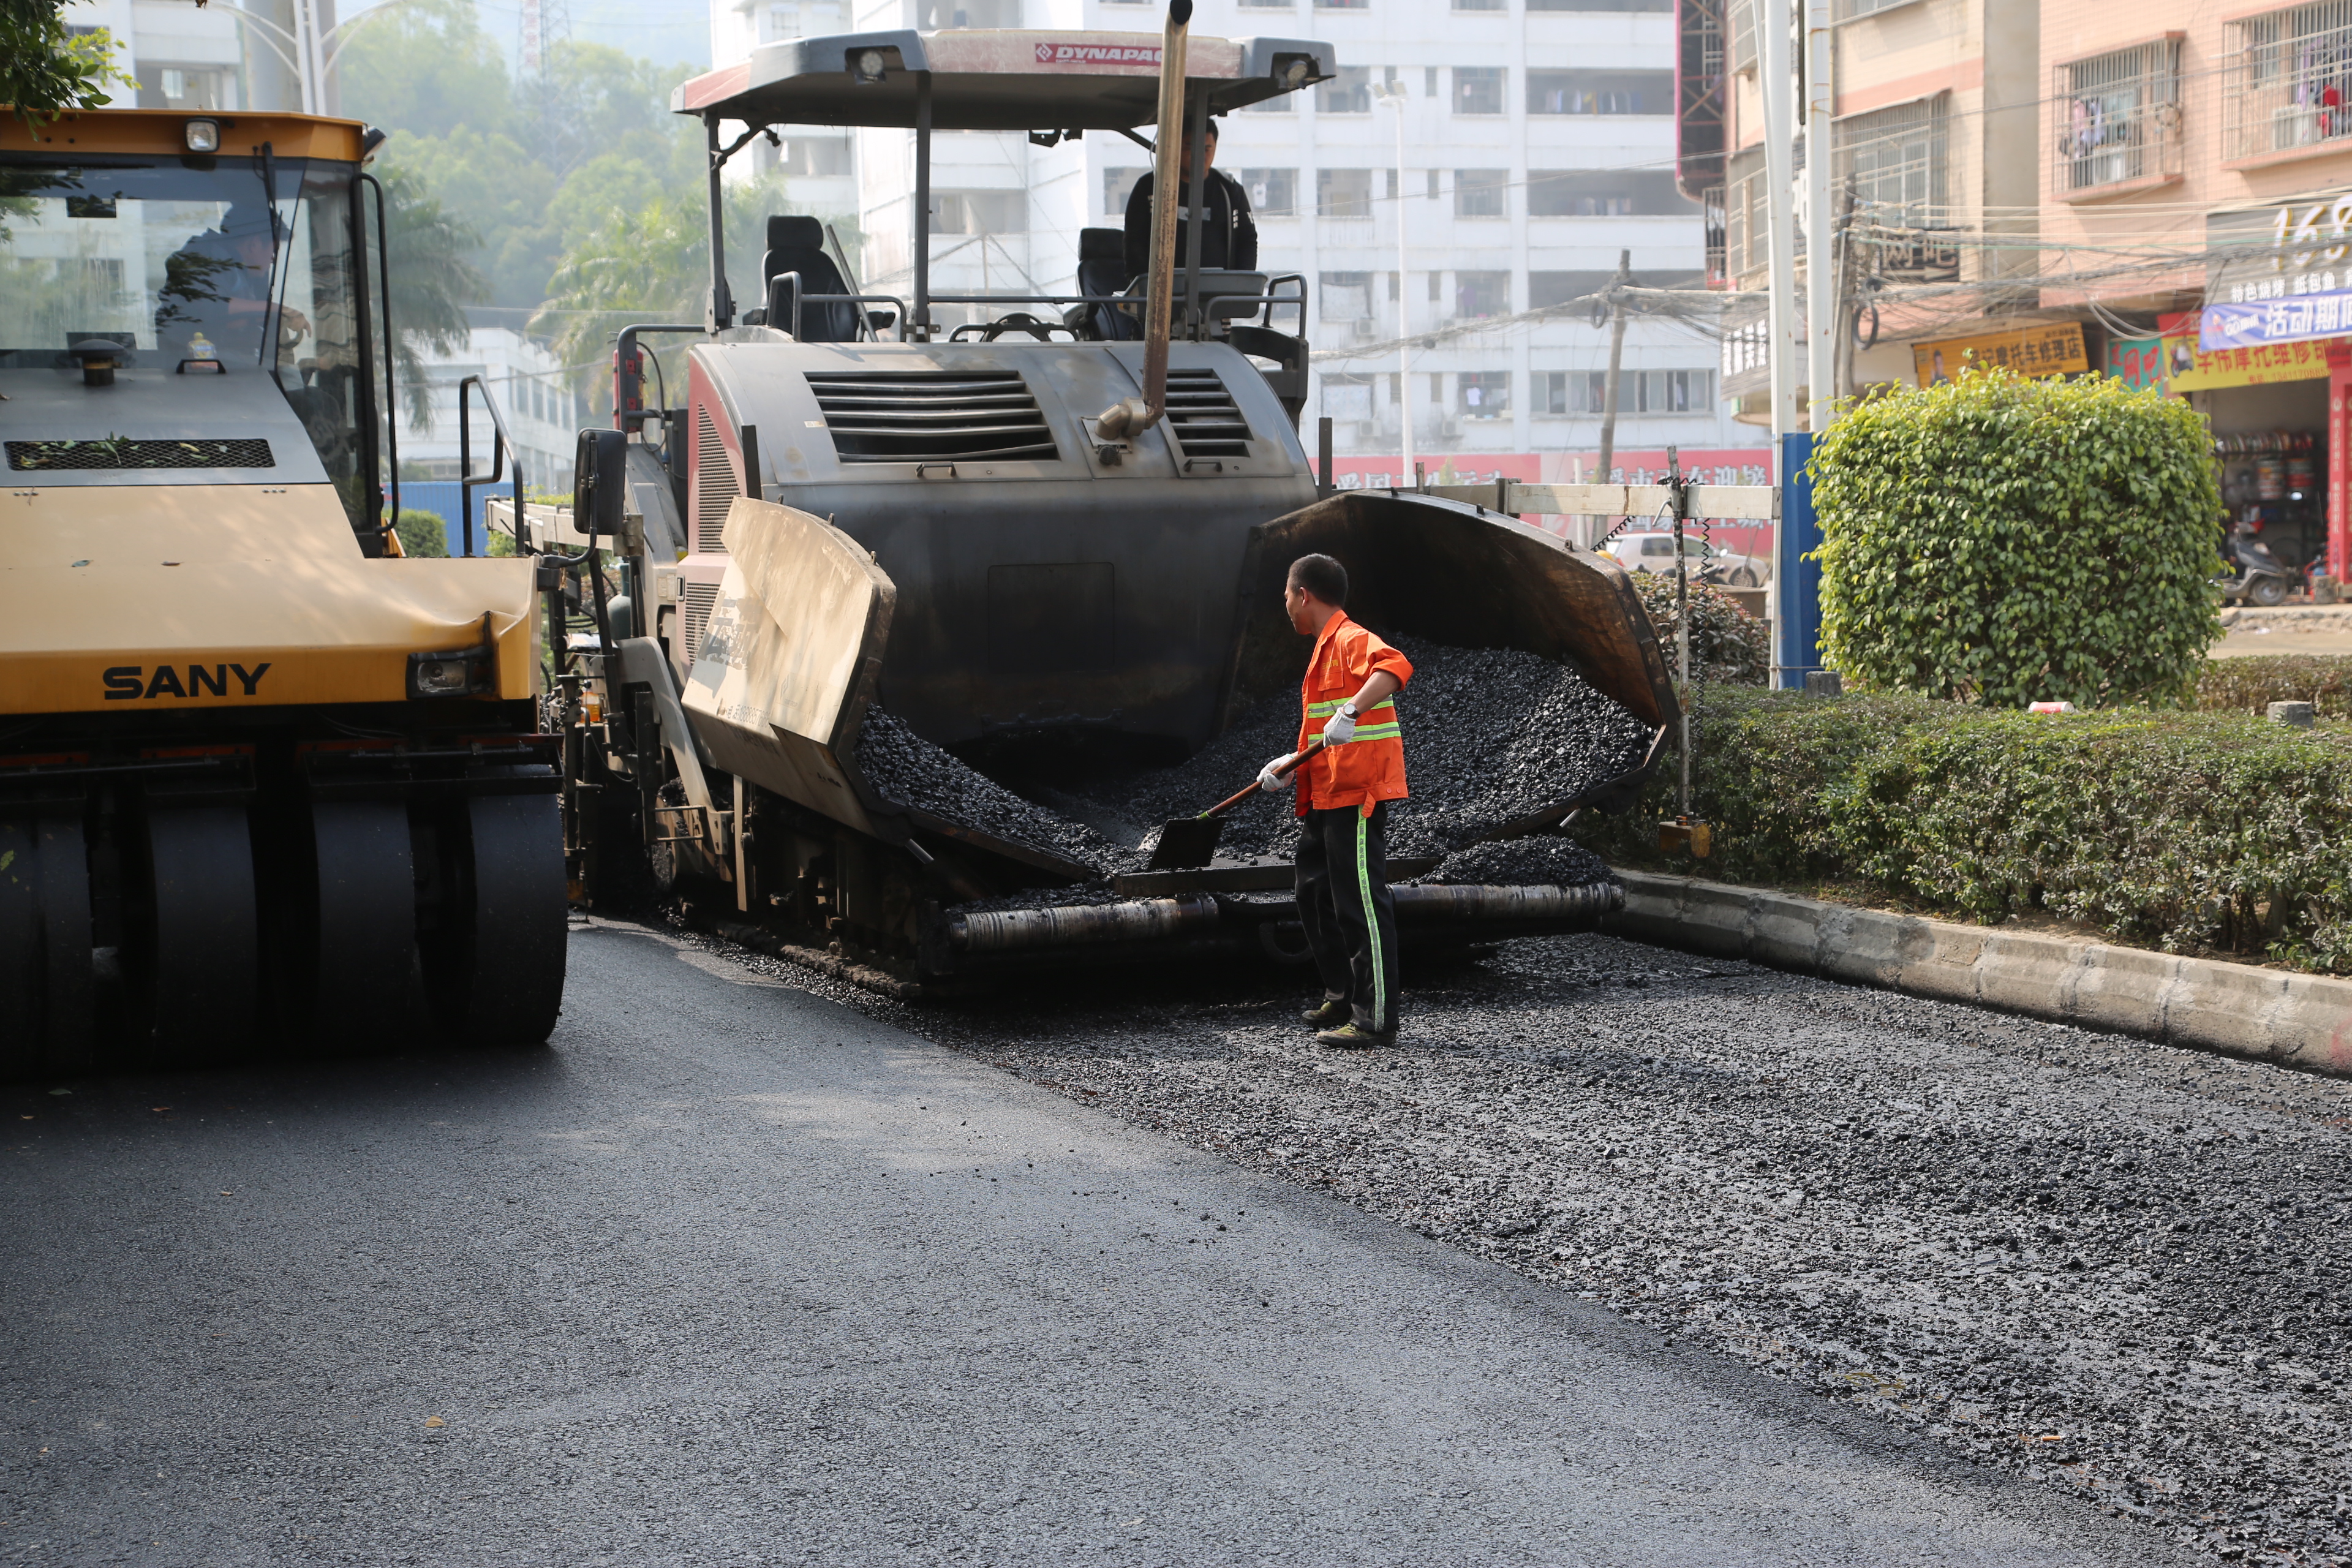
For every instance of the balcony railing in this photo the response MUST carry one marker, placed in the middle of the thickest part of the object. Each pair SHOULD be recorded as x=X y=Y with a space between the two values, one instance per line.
x=2288 y=83
x=2117 y=118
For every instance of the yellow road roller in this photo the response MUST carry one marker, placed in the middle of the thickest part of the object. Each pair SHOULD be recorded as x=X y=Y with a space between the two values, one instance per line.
x=266 y=788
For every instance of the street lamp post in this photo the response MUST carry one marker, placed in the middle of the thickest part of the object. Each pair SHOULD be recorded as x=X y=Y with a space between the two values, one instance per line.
x=1395 y=94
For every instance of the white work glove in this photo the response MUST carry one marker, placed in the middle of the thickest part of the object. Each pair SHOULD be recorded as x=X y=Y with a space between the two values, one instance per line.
x=1269 y=780
x=1342 y=727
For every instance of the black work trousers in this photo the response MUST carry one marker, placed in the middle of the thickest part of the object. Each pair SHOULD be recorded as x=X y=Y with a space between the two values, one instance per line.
x=1349 y=912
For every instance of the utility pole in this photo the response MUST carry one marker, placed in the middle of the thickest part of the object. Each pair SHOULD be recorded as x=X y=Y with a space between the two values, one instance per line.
x=1395 y=94
x=1616 y=361
x=1776 y=80
x=1822 y=261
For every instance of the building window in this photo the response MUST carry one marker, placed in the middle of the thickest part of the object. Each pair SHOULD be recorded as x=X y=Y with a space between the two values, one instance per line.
x=1652 y=392
x=1601 y=92
x=1601 y=4
x=1604 y=192
x=1478 y=89
x=1483 y=394
x=2118 y=116
x=1348 y=396
x=1341 y=4
x=1546 y=289
x=1482 y=193
x=1481 y=293
x=978 y=212
x=2288 y=80
x=1429 y=82
x=1273 y=193
x=1345 y=297
x=1343 y=193
x=1265 y=4
x=1847 y=10
x=1118 y=185
x=1347 y=92
x=932 y=16
x=817 y=157
x=1480 y=5
x=1896 y=161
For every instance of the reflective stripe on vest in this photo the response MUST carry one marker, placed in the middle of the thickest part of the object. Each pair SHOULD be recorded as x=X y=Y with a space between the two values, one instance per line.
x=1367 y=729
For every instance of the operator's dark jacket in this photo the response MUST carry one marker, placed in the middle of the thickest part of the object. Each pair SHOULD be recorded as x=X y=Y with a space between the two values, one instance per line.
x=1229 y=242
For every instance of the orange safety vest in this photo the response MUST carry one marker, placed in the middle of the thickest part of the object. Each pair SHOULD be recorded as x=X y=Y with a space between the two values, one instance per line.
x=1371 y=768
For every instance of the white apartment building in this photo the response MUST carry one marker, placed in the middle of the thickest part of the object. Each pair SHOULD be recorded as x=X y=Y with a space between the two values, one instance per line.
x=1539 y=143
x=199 y=57
x=540 y=401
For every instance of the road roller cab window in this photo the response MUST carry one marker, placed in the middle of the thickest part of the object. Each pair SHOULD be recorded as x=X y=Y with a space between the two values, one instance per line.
x=194 y=267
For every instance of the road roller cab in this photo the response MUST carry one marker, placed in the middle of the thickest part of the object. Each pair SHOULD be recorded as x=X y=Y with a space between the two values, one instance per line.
x=265 y=786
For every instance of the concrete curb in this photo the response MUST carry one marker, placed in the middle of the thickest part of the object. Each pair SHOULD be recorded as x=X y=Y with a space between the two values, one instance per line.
x=2270 y=1014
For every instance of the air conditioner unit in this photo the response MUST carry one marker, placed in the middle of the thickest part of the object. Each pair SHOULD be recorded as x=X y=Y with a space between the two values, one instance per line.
x=1449 y=426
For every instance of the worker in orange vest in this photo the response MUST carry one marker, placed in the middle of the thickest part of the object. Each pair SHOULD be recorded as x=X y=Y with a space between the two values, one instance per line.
x=1349 y=698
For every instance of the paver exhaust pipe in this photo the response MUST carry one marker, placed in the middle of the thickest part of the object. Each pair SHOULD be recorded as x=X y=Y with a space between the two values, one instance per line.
x=1123 y=419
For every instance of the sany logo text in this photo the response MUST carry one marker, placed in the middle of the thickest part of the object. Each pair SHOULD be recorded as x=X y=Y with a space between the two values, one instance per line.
x=131 y=682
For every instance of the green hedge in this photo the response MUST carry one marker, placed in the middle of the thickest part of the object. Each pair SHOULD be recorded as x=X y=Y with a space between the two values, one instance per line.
x=1728 y=646
x=2186 y=831
x=2012 y=541
x=2251 y=684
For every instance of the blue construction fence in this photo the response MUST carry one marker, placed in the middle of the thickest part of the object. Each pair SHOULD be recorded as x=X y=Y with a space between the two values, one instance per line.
x=444 y=498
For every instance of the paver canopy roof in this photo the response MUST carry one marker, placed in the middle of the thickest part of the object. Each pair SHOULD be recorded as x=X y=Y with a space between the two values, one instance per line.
x=993 y=80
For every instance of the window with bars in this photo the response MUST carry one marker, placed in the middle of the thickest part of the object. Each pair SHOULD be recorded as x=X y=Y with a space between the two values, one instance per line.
x=1638 y=392
x=1343 y=193
x=1600 y=92
x=1896 y=159
x=1481 y=293
x=2288 y=80
x=1349 y=91
x=1847 y=10
x=2117 y=117
x=1273 y=193
x=1483 y=394
x=1482 y=193
x=1478 y=89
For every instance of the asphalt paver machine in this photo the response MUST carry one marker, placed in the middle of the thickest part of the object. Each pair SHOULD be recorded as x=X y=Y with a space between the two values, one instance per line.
x=265 y=786
x=1059 y=524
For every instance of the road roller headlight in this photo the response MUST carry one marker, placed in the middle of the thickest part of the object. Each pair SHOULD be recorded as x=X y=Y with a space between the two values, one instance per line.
x=204 y=136
x=466 y=672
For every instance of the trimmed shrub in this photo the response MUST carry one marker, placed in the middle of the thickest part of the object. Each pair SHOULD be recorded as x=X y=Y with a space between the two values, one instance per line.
x=2181 y=831
x=2251 y=684
x=2006 y=541
x=1728 y=646
x=420 y=533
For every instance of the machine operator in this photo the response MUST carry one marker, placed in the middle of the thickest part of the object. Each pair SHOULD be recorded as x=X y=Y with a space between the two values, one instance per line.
x=1348 y=701
x=216 y=288
x=1228 y=242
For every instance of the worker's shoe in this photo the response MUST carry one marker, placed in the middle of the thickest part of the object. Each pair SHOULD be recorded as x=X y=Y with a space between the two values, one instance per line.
x=1333 y=1012
x=1351 y=1036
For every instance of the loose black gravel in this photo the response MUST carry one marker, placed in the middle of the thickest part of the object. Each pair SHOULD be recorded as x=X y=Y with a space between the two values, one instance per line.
x=910 y=769
x=1546 y=861
x=2118 y=1268
x=1490 y=735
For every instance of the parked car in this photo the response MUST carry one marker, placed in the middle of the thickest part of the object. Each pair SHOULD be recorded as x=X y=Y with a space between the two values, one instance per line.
x=1655 y=552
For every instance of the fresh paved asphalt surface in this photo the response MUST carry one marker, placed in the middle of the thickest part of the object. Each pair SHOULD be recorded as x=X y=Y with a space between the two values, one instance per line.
x=733 y=1274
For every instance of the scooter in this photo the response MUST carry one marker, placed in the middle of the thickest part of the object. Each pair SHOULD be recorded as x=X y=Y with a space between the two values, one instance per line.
x=2260 y=579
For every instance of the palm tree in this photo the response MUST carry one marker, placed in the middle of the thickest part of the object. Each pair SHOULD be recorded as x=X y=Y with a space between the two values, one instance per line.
x=648 y=265
x=431 y=283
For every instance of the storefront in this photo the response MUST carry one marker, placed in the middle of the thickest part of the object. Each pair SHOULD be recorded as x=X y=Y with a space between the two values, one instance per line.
x=2269 y=363
x=2267 y=405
